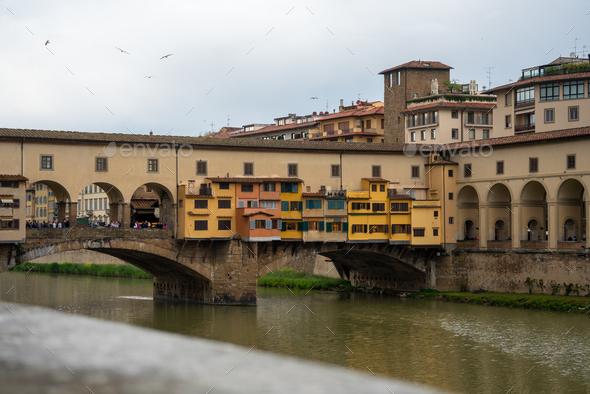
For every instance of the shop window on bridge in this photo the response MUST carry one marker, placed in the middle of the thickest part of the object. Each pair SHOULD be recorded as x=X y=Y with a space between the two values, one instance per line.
x=378 y=229
x=336 y=204
x=296 y=205
x=201 y=204
x=289 y=187
x=358 y=206
x=224 y=225
x=201 y=225
x=313 y=226
x=290 y=226
x=224 y=186
x=359 y=228
x=399 y=207
x=313 y=204
x=400 y=229
x=418 y=232
x=247 y=188
x=269 y=187
x=378 y=207
x=224 y=204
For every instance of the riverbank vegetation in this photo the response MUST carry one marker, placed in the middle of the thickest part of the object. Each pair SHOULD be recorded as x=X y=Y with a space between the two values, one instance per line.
x=299 y=280
x=528 y=301
x=113 y=270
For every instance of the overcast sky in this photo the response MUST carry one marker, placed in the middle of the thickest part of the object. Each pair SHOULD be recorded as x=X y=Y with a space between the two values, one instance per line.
x=251 y=60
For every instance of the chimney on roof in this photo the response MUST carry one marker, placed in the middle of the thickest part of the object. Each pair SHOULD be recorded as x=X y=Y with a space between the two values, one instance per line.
x=341 y=105
x=151 y=132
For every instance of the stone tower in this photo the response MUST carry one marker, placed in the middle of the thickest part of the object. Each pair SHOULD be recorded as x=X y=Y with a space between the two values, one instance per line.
x=404 y=82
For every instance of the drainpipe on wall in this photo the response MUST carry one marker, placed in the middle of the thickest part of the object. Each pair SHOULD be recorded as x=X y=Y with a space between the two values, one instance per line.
x=463 y=110
x=176 y=210
x=341 y=153
x=22 y=163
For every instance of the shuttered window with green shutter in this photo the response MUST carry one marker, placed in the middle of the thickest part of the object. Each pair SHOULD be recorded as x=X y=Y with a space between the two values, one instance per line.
x=328 y=227
x=284 y=205
x=344 y=227
x=321 y=226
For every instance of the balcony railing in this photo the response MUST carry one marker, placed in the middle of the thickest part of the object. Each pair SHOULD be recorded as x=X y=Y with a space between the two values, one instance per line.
x=481 y=119
x=520 y=103
x=525 y=127
x=427 y=121
x=336 y=194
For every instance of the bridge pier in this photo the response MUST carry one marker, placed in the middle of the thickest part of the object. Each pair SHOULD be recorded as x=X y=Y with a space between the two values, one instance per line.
x=73 y=213
x=61 y=212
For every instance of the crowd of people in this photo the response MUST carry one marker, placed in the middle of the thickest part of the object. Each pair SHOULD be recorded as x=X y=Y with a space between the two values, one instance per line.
x=146 y=224
x=115 y=224
x=44 y=224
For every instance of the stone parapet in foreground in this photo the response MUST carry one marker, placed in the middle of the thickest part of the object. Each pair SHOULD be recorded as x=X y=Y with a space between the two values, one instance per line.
x=39 y=347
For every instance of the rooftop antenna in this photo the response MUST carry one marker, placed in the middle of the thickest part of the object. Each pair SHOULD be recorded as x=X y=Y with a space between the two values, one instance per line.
x=212 y=127
x=489 y=72
x=326 y=104
x=359 y=96
x=228 y=116
x=575 y=47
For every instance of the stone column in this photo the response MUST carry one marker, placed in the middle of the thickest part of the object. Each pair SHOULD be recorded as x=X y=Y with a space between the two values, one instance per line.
x=61 y=212
x=126 y=215
x=483 y=226
x=73 y=214
x=552 y=212
x=516 y=231
x=114 y=212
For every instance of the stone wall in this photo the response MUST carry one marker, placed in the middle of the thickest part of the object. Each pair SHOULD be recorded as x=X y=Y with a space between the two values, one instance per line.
x=507 y=272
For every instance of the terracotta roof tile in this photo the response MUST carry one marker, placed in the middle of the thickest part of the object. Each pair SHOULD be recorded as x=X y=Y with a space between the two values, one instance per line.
x=143 y=204
x=325 y=137
x=356 y=112
x=450 y=105
x=8 y=177
x=534 y=80
x=195 y=142
x=312 y=195
x=375 y=179
x=419 y=64
x=579 y=132
x=251 y=179
x=270 y=129
x=257 y=213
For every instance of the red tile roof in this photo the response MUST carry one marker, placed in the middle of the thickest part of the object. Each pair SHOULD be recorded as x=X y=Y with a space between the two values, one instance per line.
x=312 y=195
x=270 y=129
x=143 y=204
x=7 y=177
x=566 y=134
x=324 y=137
x=450 y=105
x=376 y=179
x=251 y=179
x=419 y=64
x=257 y=213
x=356 y=112
x=534 y=80
x=196 y=142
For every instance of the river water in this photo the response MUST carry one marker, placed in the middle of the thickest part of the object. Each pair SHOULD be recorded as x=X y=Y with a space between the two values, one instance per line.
x=463 y=348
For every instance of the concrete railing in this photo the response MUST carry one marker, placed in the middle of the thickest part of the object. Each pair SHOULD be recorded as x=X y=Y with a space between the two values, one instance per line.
x=46 y=351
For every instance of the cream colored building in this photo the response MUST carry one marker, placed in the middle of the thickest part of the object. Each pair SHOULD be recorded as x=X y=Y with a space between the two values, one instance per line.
x=93 y=203
x=545 y=98
x=449 y=118
x=12 y=208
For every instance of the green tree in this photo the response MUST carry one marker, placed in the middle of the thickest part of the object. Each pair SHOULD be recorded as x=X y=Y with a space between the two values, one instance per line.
x=452 y=85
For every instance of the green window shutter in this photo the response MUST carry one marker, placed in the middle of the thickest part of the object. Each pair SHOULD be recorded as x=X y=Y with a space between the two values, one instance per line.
x=329 y=227
x=299 y=226
x=252 y=224
x=340 y=204
x=305 y=226
x=331 y=204
x=321 y=226
x=284 y=226
x=282 y=187
x=300 y=205
x=344 y=227
x=295 y=188
x=308 y=204
x=284 y=206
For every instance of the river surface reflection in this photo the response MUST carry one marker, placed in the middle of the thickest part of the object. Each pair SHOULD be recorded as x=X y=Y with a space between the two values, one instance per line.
x=464 y=348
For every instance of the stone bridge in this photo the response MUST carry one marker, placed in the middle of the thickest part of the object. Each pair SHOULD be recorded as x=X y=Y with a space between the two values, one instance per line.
x=226 y=272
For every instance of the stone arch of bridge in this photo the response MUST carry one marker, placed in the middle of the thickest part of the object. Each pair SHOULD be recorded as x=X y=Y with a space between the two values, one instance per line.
x=160 y=262
x=376 y=269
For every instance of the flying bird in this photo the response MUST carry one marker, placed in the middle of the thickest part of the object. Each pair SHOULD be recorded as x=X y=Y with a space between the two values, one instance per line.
x=149 y=76
x=313 y=98
x=122 y=50
x=164 y=57
x=46 y=42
